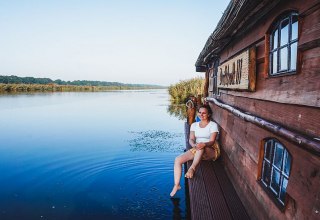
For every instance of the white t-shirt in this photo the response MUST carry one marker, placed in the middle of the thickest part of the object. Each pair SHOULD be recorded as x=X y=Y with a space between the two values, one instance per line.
x=203 y=134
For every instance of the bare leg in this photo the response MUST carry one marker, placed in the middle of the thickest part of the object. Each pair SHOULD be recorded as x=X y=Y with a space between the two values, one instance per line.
x=178 y=170
x=196 y=160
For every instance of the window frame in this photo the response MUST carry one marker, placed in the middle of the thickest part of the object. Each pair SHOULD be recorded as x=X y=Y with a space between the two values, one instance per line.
x=286 y=156
x=213 y=78
x=276 y=26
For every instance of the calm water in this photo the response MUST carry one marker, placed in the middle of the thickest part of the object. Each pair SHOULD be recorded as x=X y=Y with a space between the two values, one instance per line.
x=105 y=155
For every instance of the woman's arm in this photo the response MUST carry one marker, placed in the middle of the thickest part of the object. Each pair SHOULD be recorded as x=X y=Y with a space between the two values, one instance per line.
x=192 y=139
x=209 y=143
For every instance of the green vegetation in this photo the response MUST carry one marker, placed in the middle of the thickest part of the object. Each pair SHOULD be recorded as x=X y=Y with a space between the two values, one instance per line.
x=31 y=84
x=181 y=91
x=177 y=110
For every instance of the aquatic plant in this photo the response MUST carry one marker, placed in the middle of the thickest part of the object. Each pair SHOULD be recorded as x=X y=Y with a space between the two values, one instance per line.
x=156 y=141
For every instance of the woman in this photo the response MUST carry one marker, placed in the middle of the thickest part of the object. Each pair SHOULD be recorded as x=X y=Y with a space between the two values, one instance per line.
x=202 y=137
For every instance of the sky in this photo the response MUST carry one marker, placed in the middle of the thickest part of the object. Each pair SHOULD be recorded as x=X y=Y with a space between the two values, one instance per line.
x=137 y=41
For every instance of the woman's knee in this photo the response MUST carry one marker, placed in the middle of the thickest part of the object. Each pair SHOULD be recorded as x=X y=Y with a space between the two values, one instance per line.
x=201 y=151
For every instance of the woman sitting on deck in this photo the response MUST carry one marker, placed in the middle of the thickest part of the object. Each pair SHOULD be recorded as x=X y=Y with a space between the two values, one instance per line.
x=202 y=137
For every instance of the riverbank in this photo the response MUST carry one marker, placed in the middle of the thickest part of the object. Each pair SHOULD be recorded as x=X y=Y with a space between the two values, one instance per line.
x=5 y=88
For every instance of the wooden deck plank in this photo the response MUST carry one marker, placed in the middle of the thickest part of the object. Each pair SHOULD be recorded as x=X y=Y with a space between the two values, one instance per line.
x=218 y=204
x=199 y=201
x=212 y=195
x=233 y=201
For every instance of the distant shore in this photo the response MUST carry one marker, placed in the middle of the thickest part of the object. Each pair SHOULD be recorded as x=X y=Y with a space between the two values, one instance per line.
x=7 y=88
x=31 y=84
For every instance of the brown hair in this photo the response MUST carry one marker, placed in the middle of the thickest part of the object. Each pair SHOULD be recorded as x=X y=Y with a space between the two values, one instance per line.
x=208 y=110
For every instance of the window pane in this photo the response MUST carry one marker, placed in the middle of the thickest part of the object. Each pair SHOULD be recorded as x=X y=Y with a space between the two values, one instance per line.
x=283 y=189
x=274 y=62
x=284 y=58
x=287 y=163
x=275 y=39
x=277 y=161
x=294 y=27
x=284 y=32
x=275 y=181
x=268 y=150
x=266 y=173
x=293 y=61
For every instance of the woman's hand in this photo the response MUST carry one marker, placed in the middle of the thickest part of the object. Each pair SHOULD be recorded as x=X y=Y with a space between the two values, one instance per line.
x=200 y=146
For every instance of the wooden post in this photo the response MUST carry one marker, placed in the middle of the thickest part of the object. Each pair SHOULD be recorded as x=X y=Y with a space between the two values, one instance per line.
x=206 y=84
x=191 y=109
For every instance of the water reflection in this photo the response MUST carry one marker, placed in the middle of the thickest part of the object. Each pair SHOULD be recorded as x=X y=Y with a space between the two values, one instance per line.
x=177 y=110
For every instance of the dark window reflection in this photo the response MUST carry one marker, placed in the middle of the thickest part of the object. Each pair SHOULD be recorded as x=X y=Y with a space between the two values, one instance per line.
x=276 y=169
x=294 y=27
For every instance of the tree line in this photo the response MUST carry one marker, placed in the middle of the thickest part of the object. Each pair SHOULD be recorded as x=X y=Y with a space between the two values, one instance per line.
x=45 y=81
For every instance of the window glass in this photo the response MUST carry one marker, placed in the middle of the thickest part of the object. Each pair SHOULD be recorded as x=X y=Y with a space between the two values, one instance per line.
x=275 y=181
x=274 y=62
x=293 y=59
x=268 y=150
x=284 y=58
x=283 y=189
x=284 y=45
x=286 y=164
x=278 y=155
x=284 y=32
x=266 y=173
x=294 y=27
x=276 y=169
x=275 y=39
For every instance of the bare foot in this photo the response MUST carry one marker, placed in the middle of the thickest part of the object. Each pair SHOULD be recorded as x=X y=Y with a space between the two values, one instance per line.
x=190 y=173
x=174 y=190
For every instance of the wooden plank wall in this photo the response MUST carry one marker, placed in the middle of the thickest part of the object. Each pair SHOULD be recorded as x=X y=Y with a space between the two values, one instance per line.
x=301 y=88
x=292 y=101
x=240 y=142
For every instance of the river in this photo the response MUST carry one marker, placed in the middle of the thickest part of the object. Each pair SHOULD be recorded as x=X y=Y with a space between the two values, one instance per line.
x=95 y=155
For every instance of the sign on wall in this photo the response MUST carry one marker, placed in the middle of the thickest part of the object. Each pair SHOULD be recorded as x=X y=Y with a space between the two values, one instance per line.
x=238 y=73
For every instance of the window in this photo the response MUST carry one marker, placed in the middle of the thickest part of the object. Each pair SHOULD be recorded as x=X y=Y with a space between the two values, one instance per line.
x=283 y=45
x=213 y=71
x=276 y=166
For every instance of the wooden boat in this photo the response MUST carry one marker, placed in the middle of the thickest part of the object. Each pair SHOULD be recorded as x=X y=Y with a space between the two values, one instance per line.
x=262 y=69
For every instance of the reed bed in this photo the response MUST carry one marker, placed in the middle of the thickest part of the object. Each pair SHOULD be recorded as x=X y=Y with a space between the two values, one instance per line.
x=181 y=91
x=62 y=88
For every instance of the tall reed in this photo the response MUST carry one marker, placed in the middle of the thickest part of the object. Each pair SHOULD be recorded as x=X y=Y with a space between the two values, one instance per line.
x=179 y=92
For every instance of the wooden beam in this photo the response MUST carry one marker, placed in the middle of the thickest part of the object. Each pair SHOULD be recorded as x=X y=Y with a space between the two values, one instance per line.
x=298 y=139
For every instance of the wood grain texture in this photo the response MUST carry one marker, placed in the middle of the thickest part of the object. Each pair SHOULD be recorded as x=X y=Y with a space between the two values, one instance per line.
x=310 y=29
x=298 y=139
x=241 y=144
x=262 y=26
x=302 y=119
x=199 y=203
x=252 y=69
x=300 y=89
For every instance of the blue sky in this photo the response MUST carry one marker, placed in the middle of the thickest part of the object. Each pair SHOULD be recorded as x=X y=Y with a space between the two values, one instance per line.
x=153 y=42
